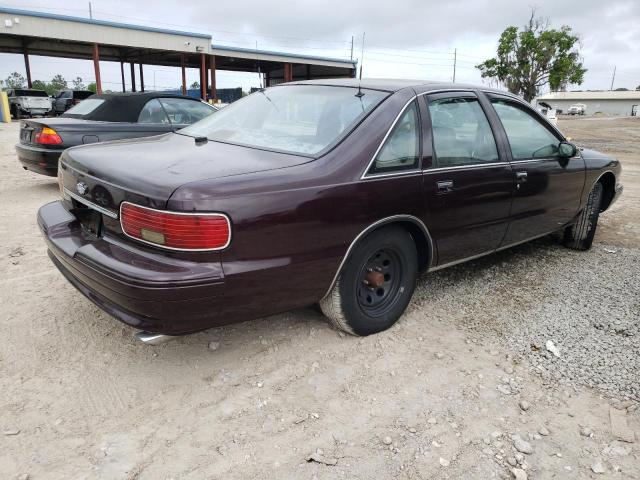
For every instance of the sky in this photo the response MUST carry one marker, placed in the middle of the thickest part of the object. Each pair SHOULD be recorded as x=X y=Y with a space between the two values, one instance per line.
x=402 y=39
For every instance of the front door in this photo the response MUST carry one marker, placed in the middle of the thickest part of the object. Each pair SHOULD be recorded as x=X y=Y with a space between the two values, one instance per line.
x=547 y=187
x=468 y=184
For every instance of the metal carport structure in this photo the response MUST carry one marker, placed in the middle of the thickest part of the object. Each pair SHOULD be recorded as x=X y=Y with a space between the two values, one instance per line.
x=37 y=33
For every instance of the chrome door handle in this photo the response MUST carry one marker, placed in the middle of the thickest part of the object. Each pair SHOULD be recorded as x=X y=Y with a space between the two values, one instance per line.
x=521 y=177
x=444 y=186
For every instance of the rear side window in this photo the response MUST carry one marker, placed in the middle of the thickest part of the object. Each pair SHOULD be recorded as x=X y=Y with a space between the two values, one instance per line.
x=401 y=148
x=461 y=132
x=185 y=112
x=528 y=137
x=152 y=112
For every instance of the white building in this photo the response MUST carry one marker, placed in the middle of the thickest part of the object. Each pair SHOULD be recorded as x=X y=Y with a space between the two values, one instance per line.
x=610 y=103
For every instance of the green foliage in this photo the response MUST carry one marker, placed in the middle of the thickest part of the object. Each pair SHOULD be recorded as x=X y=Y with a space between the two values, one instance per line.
x=528 y=59
x=40 y=85
x=15 y=80
x=58 y=83
x=92 y=87
x=195 y=85
x=78 y=84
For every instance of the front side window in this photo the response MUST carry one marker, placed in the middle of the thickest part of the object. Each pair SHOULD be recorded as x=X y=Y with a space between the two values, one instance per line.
x=152 y=112
x=401 y=148
x=528 y=137
x=186 y=112
x=461 y=132
x=298 y=119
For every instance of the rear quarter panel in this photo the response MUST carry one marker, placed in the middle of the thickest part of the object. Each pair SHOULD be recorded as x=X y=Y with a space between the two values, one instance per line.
x=292 y=227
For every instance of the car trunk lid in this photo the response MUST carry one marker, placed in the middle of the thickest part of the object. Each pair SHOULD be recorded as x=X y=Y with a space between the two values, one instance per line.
x=148 y=170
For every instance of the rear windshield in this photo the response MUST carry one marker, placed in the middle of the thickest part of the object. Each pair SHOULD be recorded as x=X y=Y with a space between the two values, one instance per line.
x=83 y=108
x=81 y=95
x=30 y=93
x=299 y=119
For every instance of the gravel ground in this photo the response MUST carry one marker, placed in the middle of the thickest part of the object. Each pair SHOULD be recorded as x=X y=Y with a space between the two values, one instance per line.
x=590 y=310
x=462 y=387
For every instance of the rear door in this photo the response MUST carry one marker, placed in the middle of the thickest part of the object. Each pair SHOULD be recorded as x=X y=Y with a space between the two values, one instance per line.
x=547 y=187
x=468 y=182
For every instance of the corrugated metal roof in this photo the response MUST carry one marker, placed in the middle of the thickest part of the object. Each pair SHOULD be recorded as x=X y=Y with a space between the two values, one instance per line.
x=104 y=23
x=283 y=54
x=601 y=95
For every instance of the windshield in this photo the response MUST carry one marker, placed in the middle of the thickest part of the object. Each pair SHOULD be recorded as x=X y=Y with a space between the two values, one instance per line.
x=84 y=107
x=31 y=93
x=299 y=119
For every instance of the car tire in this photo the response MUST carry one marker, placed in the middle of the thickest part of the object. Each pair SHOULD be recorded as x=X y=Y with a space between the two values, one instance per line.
x=375 y=284
x=579 y=236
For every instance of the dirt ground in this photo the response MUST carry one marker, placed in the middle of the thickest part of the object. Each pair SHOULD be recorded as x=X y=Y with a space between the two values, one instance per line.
x=431 y=398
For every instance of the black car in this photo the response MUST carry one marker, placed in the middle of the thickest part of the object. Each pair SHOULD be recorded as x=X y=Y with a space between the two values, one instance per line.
x=65 y=99
x=109 y=116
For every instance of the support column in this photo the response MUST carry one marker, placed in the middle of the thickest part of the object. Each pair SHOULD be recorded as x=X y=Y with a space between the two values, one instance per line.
x=267 y=79
x=184 y=75
x=288 y=72
x=212 y=65
x=203 y=77
x=122 y=75
x=27 y=67
x=141 y=79
x=133 y=77
x=96 y=67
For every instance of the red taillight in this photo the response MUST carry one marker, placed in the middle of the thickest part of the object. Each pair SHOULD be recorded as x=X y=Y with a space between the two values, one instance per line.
x=48 y=136
x=174 y=230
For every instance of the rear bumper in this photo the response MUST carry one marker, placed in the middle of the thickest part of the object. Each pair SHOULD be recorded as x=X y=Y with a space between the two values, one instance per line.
x=39 y=160
x=146 y=290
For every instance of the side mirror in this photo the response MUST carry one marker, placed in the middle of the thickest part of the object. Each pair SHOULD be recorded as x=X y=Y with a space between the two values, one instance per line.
x=567 y=150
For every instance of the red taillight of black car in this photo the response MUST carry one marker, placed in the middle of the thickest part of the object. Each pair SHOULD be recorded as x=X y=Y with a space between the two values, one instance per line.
x=175 y=230
x=48 y=136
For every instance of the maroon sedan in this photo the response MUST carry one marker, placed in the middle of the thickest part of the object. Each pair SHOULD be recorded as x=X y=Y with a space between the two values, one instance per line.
x=326 y=192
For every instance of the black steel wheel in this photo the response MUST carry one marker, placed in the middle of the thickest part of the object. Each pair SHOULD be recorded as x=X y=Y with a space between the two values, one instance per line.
x=375 y=284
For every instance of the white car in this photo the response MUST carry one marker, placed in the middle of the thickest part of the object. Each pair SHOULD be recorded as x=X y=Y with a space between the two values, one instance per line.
x=28 y=102
x=549 y=112
x=577 y=109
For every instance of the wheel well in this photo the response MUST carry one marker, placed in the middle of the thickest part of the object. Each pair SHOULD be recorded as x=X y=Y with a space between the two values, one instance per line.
x=420 y=239
x=608 y=181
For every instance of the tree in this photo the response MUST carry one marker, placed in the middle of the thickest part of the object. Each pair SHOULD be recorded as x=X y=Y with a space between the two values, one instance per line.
x=78 y=84
x=537 y=55
x=58 y=83
x=195 y=85
x=40 y=85
x=92 y=87
x=15 y=80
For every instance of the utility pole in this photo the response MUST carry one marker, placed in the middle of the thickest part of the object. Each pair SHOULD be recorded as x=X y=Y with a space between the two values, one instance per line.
x=362 y=55
x=90 y=12
x=455 y=60
x=351 y=47
x=614 y=77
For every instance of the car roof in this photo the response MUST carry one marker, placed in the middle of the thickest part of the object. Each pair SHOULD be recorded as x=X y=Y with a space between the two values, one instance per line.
x=124 y=106
x=394 y=85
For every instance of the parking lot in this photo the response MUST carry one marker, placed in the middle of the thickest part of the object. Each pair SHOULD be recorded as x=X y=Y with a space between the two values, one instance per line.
x=452 y=391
